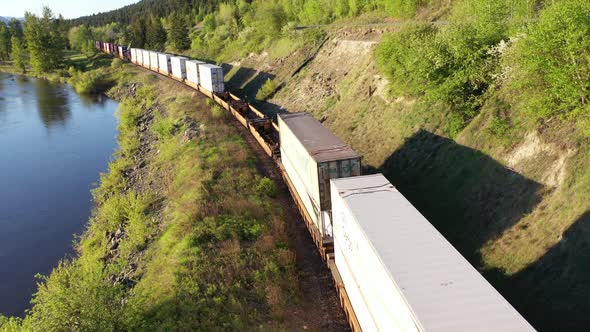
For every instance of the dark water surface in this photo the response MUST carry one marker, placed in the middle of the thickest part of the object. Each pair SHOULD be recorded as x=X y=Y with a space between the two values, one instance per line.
x=53 y=145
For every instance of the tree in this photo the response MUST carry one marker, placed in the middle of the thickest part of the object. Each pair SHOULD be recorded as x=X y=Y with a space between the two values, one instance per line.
x=178 y=32
x=16 y=28
x=136 y=32
x=45 y=37
x=155 y=36
x=81 y=38
x=4 y=42
x=18 y=53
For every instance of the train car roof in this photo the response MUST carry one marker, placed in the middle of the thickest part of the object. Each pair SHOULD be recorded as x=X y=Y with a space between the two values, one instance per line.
x=443 y=290
x=321 y=144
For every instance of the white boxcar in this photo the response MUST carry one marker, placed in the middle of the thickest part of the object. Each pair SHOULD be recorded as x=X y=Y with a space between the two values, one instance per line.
x=211 y=77
x=311 y=156
x=132 y=55
x=139 y=53
x=145 y=56
x=154 y=60
x=164 y=64
x=192 y=70
x=178 y=67
x=400 y=273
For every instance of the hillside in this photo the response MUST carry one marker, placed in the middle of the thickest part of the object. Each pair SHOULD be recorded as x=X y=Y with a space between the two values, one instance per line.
x=511 y=192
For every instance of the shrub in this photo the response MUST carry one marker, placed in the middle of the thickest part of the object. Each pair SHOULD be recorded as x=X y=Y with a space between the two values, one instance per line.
x=266 y=187
x=116 y=63
x=454 y=64
x=552 y=67
x=95 y=81
x=217 y=112
x=266 y=90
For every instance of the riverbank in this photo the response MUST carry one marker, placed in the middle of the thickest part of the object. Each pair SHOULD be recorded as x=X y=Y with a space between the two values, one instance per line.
x=185 y=233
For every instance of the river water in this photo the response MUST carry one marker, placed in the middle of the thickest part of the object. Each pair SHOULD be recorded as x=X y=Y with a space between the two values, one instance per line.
x=53 y=145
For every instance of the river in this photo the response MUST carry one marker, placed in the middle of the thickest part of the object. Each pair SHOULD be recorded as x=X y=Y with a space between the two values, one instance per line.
x=53 y=145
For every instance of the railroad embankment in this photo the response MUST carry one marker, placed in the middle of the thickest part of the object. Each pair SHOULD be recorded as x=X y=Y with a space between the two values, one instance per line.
x=512 y=194
x=187 y=233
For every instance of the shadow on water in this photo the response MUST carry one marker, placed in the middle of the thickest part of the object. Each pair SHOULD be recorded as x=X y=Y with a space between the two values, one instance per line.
x=52 y=103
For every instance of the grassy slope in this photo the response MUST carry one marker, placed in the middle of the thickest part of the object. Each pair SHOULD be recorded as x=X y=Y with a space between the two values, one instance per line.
x=185 y=234
x=514 y=200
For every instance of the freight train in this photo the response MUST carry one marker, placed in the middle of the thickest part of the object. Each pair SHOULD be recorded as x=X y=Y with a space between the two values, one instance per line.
x=392 y=269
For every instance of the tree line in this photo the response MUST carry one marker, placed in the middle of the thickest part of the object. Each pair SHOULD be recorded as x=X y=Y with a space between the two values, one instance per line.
x=38 y=41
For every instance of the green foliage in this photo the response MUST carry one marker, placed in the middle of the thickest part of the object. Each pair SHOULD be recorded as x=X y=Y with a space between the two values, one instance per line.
x=82 y=39
x=17 y=54
x=164 y=127
x=155 y=35
x=5 y=45
x=15 y=28
x=116 y=63
x=178 y=31
x=94 y=81
x=454 y=64
x=45 y=38
x=552 y=69
x=266 y=90
x=266 y=187
x=136 y=32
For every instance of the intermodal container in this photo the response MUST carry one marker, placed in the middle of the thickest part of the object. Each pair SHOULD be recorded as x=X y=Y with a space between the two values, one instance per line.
x=178 y=67
x=133 y=55
x=164 y=64
x=154 y=60
x=192 y=70
x=400 y=273
x=211 y=77
x=312 y=155
x=145 y=56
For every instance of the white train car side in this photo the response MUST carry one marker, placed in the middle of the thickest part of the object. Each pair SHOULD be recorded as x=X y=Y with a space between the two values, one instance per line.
x=145 y=56
x=192 y=71
x=400 y=273
x=164 y=64
x=178 y=64
x=154 y=60
x=211 y=77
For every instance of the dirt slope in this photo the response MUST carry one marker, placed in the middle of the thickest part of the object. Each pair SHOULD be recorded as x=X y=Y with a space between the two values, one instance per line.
x=518 y=208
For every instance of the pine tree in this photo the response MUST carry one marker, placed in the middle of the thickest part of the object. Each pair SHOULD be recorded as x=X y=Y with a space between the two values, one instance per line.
x=17 y=53
x=136 y=33
x=15 y=27
x=45 y=37
x=178 y=33
x=155 y=35
x=4 y=42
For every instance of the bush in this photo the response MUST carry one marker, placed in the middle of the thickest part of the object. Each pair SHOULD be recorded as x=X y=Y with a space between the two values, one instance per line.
x=266 y=90
x=95 y=81
x=116 y=63
x=454 y=64
x=217 y=112
x=266 y=187
x=552 y=66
